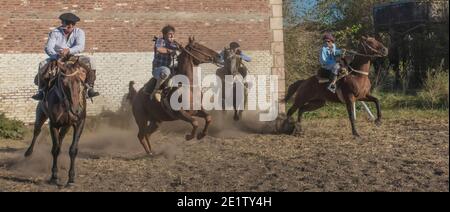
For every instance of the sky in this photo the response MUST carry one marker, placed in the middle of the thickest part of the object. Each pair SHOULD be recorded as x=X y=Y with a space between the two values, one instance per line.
x=303 y=5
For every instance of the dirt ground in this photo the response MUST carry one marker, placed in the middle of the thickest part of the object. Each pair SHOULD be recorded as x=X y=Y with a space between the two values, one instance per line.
x=404 y=154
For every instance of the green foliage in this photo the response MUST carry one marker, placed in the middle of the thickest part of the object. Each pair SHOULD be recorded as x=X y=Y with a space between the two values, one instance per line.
x=349 y=35
x=393 y=105
x=302 y=46
x=418 y=51
x=11 y=129
x=335 y=15
x=435 y=93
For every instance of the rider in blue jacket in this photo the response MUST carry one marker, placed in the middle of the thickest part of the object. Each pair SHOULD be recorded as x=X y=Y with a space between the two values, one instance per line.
x=328 y=59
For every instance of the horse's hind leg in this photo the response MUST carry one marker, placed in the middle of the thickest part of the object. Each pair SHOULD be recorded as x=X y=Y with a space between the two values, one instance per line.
x=188 y=118
x=141 y=135
x=38 y=123
x=208 y=120
x=292 y=110
x=142 y=123
x=287 y=127
x=151 y=129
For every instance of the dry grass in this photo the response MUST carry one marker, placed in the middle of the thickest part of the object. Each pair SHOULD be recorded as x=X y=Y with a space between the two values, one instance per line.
x=406 y=153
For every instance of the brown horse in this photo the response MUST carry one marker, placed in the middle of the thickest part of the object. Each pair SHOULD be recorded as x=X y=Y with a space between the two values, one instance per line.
x=312 y=95
x=149 y=114
x=65 y=106
x=232 y=67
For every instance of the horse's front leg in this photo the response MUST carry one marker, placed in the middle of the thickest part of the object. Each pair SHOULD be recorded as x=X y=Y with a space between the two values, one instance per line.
x=38 y=123
x=151 y=129
x=375 y=100
x=236 y=115
x=73 y=151
x=56 y=149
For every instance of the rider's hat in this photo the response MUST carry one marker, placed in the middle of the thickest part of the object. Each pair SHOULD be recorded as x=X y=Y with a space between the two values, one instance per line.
x=234 y=45
x=328 y=36
x=69 y=17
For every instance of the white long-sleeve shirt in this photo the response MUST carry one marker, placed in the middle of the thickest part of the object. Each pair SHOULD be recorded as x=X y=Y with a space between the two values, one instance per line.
x=57 y=41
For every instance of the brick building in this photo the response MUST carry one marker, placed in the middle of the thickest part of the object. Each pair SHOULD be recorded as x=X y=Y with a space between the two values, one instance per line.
x=119 y=38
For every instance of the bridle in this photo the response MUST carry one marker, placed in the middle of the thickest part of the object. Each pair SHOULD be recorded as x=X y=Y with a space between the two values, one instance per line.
x=61 y=74
x=366 y=46
x=190 y=49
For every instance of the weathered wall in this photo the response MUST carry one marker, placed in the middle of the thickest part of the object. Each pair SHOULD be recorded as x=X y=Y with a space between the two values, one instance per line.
x=119 y=35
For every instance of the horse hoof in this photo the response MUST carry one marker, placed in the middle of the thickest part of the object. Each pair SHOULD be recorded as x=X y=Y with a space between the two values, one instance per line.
x=28 y=153
x=297 y=130
x=53 y=181
x=378 y=123
x=200 y=136
x=70 y=185
x=189 y=137
x=288 y=128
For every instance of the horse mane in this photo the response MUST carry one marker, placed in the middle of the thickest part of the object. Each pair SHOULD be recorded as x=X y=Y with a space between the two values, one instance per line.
x=82 y=65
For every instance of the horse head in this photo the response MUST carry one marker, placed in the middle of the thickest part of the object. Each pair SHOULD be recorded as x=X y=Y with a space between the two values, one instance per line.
x=370 y=46
x=71 y=79
x=201 y=53
x=232 y=62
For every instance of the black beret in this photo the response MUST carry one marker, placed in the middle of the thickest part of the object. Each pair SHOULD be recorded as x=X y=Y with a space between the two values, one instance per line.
x=70 y=17
x=234 y=45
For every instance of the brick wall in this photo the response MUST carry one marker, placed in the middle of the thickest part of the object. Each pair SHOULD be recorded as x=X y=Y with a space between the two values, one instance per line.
x=119 y=37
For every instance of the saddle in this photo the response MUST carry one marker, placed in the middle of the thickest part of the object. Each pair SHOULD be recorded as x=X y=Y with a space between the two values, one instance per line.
x=165 y=102
x=165 y=96
x=324 y=76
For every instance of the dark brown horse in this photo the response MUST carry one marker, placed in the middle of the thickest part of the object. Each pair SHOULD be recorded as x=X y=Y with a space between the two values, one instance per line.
x=65 y=106
x=232 y=67
x=312 y=95
x=149 y=114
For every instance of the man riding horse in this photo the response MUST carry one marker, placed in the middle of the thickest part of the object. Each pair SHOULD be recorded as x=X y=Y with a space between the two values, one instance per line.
x=328 y=62
x=235 y=48
x=231 y=59
x=64 y=42
x=165 y=50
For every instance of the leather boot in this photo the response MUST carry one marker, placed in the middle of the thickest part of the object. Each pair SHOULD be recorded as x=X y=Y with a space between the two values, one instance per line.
x=90 y=80
x=156 y=93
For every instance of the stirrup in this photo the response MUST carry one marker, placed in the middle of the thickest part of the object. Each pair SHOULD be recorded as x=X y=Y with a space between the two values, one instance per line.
x=332 y=88
x=92 y=93
x=39 y=96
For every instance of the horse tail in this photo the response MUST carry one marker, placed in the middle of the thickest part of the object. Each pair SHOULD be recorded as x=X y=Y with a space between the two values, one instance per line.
x=292 y=90
x=131 y=92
